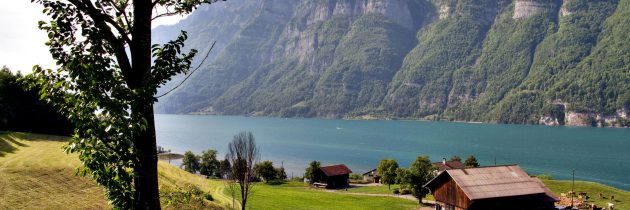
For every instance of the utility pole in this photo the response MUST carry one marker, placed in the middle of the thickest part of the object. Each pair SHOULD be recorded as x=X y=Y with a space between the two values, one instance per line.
x=573 y=188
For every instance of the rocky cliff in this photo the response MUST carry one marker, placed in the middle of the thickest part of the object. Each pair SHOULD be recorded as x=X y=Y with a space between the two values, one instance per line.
x=509 y=61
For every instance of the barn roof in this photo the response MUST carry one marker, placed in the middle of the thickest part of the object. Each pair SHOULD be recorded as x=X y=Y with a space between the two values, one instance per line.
x=448 y=165
x=493 y=182
x=335 y=170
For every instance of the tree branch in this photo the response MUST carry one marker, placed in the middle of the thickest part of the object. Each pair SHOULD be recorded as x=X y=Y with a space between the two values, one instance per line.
x=117 y=45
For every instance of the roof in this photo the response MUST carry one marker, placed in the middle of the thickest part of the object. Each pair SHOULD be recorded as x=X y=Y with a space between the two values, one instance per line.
x=335 y=170
x=455 y=164
x=492 y=182
x=370 y=171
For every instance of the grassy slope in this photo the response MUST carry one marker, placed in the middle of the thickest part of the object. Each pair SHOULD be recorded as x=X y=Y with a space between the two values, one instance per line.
x=36 y=174
x=622 y=198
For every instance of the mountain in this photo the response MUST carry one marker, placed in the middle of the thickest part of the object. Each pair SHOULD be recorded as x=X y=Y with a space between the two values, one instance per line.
x=507 y=61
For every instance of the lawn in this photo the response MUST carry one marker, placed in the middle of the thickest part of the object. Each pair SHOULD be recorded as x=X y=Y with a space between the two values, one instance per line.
x=295 y=195
x=380 y=189
x=622 y=198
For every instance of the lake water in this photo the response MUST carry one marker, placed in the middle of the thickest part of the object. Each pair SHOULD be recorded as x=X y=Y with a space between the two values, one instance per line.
x=597 y=154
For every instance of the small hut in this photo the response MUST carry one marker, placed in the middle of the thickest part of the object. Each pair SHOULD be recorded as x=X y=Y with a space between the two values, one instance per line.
x=332 y=177
x=372 y=176
x=497 y=187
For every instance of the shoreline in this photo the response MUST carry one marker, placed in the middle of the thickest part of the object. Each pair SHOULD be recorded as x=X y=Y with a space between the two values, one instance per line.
x=360 y=118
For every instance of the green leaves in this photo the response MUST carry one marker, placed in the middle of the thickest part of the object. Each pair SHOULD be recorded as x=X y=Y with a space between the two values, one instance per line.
x=94 y=87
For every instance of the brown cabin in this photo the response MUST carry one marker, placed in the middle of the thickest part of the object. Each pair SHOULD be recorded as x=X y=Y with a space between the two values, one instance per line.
x=488 y=188
x=372 y=176
x=333 y=177
x=447 y=165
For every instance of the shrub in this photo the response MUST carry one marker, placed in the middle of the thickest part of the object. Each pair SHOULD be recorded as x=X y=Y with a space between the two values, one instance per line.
x=208 y=196
x=405 y=192
x=356 y=177
x=545 y=177
x=396 y=191
x=276 y=182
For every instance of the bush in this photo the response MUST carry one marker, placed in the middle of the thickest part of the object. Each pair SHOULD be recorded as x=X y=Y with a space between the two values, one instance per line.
x=545 y=177
x=276 y=182
x=208 y=196
x=405 y=192
x=396 y=191
x=356 y=177
x=189 y=197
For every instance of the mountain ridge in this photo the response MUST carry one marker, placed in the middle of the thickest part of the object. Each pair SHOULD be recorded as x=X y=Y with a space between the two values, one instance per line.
x=520 y=61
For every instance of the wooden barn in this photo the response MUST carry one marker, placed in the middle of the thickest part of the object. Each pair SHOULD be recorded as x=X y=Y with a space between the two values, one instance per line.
x=447 y=165
x=497 y=187
x=333 y=177
x=372 y=176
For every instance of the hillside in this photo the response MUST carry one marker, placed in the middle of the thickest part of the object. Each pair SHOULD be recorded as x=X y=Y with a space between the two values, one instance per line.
x=35 y=173
x=508 y=61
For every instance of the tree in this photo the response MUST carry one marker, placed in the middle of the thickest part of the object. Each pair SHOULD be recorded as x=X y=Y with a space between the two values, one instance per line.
x=471 y=162
x=403 y=177
x=224 y=169
x=281 y=174
x=265 y=170
x=106 y=85
x=312 y=167
x=243 y=154
x=387 y=170
x=420 y=172
x=456 y=158
x=209 y=165
x=18 y=108
x=190 y=162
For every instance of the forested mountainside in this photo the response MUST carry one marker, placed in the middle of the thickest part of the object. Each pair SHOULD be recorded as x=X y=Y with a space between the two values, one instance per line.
x=507 y=61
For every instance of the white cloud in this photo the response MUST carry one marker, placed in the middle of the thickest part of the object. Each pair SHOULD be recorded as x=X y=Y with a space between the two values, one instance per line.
x=22 y=43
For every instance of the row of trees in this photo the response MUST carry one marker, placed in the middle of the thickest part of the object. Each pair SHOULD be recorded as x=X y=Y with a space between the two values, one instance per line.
x=413 y=178
x=240 y=166
x=267 y=172
x=206 y=164
x=21 y=109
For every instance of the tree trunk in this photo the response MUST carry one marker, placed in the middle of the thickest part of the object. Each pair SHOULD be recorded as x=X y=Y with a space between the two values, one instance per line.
x=146 y=175
x=146 y=180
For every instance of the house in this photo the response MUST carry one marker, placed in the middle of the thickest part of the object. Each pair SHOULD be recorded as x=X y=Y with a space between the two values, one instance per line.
x=333 y=177
x=372 y=176
x=447 y=165
x=496 y=187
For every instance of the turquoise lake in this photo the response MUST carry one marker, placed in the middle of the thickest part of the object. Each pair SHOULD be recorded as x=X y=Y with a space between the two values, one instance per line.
x=596 y=154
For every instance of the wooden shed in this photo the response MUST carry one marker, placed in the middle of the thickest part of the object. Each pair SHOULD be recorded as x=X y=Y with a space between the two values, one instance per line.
x=497 y=187
x=334 y=177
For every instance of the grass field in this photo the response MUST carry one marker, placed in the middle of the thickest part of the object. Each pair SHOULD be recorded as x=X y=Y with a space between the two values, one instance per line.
x=622 y=198
x=295 y=195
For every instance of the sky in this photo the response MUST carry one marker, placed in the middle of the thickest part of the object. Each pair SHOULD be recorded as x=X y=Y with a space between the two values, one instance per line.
x=22 y=43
